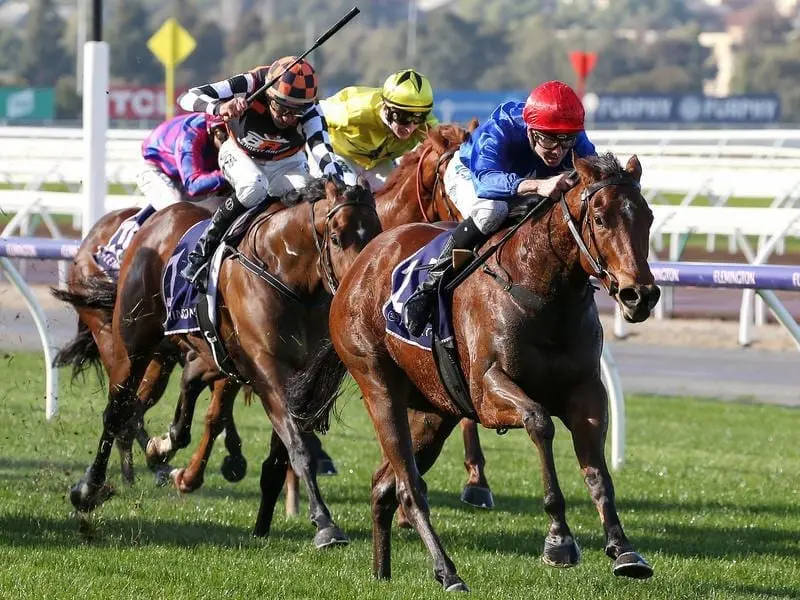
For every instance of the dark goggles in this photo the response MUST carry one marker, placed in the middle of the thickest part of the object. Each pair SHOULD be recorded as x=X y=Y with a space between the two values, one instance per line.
x=404 y=117
x=553 y=141
x=294 y=112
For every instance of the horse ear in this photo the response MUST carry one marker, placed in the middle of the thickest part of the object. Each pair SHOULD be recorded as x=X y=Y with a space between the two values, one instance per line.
x=586 y=170
x=634 y=167
x=331 y=191
x=473 y=125
x=437 y=139
x=363 y=182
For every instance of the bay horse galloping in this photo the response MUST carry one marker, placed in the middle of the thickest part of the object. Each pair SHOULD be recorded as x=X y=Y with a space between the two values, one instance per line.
x=414 y=192
x=529 y=339
x=268 y=330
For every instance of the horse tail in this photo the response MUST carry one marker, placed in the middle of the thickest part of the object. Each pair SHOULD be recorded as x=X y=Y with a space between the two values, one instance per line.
x=312 y=392
x=81 y=353
x=96 y=292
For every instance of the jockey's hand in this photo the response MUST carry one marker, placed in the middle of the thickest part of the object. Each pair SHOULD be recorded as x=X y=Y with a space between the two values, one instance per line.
x=552 y=187
x=233 y=108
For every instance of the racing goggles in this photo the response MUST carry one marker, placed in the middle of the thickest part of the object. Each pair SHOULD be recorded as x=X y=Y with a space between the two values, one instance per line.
x=404 y=117
x=288 y=112
x=553 y=141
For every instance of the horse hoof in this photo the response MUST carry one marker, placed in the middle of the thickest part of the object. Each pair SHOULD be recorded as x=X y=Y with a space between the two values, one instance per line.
x=162 y=475
x=177 y=476
x=633 y=565
x=330 y=536
x=458 y=586
x=480 y=497
x=156 y=454
x=325 y=466
x=561 y=552
x=233 y=468
x=85 y=499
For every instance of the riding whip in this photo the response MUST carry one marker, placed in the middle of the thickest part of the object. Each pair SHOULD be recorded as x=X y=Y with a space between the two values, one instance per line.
x=320 y=40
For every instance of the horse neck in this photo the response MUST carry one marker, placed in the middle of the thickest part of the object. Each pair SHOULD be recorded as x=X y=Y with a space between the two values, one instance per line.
x=544 y=257
x=285 y=243
x=401 y=206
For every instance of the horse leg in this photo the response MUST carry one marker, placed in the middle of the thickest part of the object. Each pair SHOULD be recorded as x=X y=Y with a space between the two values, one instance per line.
x=560 y=548
x=121 y=411
x=273 y=469
x=292 y=486
x=269 y=386
x=234 y=465
x=476 y=491
x=386 y=390
x=587 y=419
x=428 y=432
x=160 y=450
x=224 y=393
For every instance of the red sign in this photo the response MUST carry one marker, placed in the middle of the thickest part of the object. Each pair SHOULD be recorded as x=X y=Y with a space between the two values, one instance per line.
x=138 y=103
x=583 y=63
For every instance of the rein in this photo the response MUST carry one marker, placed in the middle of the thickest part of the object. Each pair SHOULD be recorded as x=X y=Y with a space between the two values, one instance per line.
x=446 y=155
x=586 y=196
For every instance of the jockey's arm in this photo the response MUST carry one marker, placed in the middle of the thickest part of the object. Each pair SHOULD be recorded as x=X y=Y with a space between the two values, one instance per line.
x=315 y=130
x=207 y=98
x=490 y=164
x=195 y=179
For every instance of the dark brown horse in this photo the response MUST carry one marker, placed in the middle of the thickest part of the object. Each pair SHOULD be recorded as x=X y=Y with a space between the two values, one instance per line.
x=93 y=346
x=268 y=333
x=530 y=340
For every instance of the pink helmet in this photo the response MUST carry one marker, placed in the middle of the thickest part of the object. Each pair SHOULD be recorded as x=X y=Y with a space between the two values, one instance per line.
x=214 y=121
x=553 y=107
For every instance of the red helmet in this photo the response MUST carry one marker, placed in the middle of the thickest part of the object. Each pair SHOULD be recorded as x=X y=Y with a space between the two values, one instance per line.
x=296 y=87
x=214 y=121
x=553 y=107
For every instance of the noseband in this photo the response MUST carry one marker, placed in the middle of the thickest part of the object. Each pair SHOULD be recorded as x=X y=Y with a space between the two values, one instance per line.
x=323 y=247
x=597 y=264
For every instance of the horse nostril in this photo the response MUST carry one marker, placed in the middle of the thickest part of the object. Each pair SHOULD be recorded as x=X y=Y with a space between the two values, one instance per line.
x=629 y=296
x=653 y=296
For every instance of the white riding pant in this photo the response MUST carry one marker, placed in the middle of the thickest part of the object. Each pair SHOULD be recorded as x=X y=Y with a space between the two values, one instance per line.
x=487 y=214
x=376 y=177
x=254 y=179
x=160 y=191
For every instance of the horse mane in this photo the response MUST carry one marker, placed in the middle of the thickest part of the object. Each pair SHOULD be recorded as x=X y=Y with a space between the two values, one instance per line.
x=314 y=190
x=606 y=164
x=439 y=139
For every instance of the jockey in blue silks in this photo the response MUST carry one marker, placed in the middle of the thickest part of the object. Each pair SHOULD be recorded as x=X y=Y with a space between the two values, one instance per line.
x=523 y=149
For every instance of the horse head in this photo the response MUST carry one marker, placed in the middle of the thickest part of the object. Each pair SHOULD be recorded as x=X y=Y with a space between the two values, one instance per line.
x=344 y=224
x=414 y=190
x=614 y=231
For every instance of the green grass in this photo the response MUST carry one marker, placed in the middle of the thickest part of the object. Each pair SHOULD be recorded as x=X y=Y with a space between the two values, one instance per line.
x=708 y=494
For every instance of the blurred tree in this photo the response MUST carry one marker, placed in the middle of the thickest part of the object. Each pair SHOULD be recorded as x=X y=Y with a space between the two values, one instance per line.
x=68 y=104
x=451 y=51
x=10 y=48
x=41 y=56
x=251 y=32
x=772 y=69
x=131 y=60
x=206 y=62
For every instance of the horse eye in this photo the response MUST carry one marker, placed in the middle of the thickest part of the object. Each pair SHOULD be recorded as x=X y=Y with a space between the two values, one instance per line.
x=598 y=220
x=335 y=240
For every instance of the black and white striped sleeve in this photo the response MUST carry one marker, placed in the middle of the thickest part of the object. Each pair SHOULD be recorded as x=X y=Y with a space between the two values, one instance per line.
x=315 y=129
x=207 y=98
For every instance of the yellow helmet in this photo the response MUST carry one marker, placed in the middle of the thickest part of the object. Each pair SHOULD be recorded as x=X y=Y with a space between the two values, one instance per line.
x=408 y=90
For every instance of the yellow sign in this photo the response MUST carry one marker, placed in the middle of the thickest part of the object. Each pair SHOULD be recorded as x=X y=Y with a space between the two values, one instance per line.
x=171 y=44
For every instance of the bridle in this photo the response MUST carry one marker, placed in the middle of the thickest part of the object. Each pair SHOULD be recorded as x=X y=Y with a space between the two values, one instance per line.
x=323 y=247
x=598 y=264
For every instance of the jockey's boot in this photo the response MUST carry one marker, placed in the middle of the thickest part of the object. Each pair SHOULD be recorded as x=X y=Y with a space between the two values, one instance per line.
x=109 y=256
x=418 y=308
x=197 y=269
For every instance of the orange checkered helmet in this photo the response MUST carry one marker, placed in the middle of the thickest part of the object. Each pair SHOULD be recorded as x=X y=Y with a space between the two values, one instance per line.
x=297 y=87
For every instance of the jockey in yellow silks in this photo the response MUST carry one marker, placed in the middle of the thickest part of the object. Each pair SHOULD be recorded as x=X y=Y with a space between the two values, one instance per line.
x=370 y=127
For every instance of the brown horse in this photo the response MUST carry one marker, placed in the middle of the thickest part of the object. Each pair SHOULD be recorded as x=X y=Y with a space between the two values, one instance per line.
x=268 y=332
x=529 y=341
x=93 y=346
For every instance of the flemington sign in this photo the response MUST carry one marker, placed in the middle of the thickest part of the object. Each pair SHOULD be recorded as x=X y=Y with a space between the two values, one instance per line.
x=682 y=108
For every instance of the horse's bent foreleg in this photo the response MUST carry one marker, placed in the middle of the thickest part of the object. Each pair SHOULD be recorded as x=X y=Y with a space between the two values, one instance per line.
x=587 y=419
x=191 y=478
x=560 y=547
